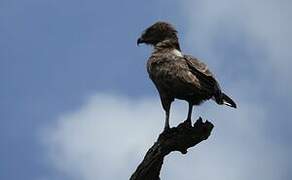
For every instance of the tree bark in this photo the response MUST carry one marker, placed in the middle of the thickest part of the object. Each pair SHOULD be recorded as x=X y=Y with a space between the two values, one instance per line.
x=179 y=138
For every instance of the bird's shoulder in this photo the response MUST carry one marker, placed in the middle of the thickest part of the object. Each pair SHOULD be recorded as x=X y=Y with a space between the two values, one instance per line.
x=196 y=64
x=201 y=71
x=166 y=59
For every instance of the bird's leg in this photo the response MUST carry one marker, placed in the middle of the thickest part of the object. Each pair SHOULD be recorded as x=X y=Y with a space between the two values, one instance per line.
x=166 y=103
x=166 y=125
x=189 y=118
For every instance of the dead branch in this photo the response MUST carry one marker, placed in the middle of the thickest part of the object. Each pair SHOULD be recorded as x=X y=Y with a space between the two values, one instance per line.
x=179 y=138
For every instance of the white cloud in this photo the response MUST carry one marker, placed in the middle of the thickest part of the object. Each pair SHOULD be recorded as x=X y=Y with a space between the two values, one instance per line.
x=103 y=139
x=108 y=135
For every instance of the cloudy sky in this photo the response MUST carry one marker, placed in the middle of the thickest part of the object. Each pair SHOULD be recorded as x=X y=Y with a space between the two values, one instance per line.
x=76 y=101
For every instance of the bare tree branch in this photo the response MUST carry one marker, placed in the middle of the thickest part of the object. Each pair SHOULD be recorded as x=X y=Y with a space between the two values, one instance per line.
x=179 y=138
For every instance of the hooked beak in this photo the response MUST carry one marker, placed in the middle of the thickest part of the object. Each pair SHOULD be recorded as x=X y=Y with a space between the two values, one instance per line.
x=140 y=41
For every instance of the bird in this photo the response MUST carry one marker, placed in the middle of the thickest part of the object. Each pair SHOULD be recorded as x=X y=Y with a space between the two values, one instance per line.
x=177 y=75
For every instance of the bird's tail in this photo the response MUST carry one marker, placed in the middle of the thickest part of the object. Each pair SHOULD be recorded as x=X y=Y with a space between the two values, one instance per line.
x=228 y=101
x=224 y=99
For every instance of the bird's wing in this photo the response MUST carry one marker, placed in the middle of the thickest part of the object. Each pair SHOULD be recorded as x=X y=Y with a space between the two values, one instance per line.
x=201 y=71
x=169 y=71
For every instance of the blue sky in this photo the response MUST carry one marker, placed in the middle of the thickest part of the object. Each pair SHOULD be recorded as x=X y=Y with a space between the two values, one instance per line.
x=71 y=75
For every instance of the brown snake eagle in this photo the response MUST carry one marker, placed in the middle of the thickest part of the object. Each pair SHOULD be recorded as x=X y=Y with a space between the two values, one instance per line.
x=176 y=75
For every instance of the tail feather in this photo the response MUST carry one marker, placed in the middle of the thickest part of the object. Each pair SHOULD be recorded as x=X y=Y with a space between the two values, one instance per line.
x=228 y=101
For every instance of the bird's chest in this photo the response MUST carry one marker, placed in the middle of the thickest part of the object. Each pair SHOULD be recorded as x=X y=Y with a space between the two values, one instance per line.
x=165 y=73
x=166 y=65
x=161 y=68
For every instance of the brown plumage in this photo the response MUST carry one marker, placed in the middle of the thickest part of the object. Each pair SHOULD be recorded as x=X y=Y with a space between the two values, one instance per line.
x=178 y=76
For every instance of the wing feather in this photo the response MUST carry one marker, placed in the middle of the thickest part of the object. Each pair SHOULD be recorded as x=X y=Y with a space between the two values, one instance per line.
x=201 y=71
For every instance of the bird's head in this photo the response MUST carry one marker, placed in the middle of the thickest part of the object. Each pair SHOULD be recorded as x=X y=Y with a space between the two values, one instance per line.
x=158 y=32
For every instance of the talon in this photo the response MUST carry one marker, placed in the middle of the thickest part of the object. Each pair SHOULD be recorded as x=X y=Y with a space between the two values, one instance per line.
x=167 y=128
